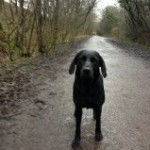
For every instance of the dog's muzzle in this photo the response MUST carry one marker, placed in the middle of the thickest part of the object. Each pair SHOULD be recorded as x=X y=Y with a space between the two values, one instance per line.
x=87 y=73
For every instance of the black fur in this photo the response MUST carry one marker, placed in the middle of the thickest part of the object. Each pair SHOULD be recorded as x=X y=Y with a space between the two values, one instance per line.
x=88 y=89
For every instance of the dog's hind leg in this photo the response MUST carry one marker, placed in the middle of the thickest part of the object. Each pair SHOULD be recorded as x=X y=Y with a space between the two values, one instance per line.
x=78 y=116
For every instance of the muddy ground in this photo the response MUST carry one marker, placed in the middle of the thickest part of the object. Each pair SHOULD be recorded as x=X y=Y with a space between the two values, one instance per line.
x=36 y=111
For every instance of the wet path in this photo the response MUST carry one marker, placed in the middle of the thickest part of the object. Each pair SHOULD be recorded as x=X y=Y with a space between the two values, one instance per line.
x=49 y=124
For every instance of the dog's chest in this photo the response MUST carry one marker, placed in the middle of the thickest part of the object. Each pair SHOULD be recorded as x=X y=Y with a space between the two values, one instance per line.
x=88 y=100
x=88 y=96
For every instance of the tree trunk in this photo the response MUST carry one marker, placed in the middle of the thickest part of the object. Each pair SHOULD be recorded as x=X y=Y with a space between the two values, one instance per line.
x=55 y=32
x=39 y=26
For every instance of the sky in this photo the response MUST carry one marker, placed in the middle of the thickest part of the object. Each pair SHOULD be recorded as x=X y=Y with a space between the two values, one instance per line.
x=102 y=4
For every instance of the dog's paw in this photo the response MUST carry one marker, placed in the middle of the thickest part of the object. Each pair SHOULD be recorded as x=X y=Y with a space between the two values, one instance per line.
x=75 y=143
x=98 y=137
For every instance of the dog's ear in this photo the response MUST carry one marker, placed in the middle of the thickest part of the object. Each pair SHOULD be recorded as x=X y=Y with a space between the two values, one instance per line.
x=74 y=62
x=103 y=66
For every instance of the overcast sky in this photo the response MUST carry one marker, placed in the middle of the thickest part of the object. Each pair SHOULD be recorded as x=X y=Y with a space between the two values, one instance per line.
x=102 y=4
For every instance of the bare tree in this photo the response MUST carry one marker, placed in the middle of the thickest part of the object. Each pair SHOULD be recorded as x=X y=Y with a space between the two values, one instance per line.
x=138 y=16
x=39 y=25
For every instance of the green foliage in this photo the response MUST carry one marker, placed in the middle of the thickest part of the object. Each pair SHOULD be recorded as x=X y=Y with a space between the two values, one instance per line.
x=12 y=48
x=44 y=24
x=138 y=19
x=110 y=19
x=2 y=40
x=127 y=23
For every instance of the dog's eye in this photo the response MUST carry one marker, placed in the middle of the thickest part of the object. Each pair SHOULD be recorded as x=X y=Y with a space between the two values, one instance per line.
x=84 y=58
x=93 y=59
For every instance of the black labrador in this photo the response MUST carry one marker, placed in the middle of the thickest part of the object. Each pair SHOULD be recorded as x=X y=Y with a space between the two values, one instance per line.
x=88 y=89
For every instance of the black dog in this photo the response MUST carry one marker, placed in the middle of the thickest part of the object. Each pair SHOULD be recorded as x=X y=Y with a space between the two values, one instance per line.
x=88 y=90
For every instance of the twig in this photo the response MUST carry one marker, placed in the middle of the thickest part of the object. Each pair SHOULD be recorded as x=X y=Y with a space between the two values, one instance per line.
x=9 y=116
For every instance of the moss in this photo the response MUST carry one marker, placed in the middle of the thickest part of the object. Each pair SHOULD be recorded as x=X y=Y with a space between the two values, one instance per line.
x=19 y=64
x=2 y=36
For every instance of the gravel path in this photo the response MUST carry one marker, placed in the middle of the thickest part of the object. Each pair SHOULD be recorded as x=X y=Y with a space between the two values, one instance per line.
x=45 y=120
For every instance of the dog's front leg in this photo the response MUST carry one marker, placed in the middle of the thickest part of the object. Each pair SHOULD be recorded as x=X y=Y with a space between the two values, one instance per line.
x=78 y=116
x=98 y=133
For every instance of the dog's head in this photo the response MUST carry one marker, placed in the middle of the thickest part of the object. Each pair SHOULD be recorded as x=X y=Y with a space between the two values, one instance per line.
x=87 y=64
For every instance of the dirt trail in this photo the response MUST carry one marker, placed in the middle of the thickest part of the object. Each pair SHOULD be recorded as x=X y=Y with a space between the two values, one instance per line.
x=47 y=123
